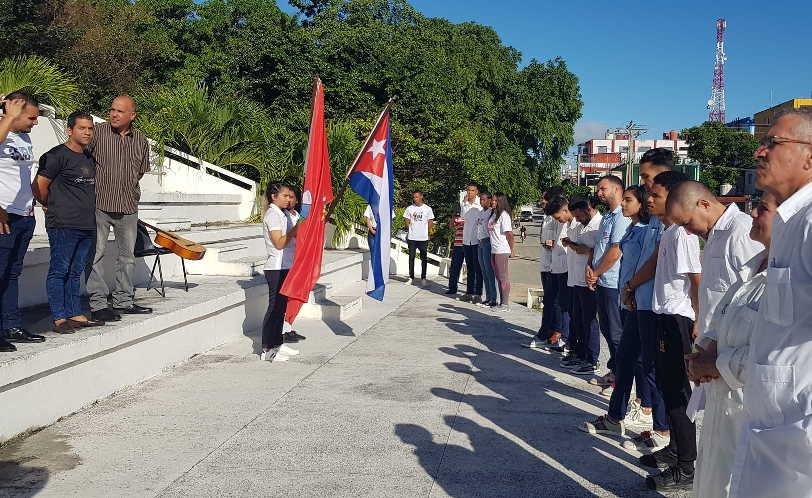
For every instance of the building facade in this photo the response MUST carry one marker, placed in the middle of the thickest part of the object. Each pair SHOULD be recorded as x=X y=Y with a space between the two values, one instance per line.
x=766 y=118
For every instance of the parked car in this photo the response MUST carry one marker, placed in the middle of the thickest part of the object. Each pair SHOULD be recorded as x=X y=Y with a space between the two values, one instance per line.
x=526 y=216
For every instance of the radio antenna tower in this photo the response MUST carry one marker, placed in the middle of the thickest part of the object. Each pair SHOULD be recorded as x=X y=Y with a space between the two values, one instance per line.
x=716 y=104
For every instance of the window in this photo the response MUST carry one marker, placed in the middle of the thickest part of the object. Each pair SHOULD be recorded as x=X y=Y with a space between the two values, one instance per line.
x=602 y=149
x=643 y=148
x=624 y=149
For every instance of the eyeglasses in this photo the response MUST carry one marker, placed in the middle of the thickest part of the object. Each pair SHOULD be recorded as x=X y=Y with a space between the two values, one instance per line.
x=769 y=141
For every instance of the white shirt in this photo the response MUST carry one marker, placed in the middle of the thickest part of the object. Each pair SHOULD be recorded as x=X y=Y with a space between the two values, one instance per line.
x=728 y=248
x=419 y=226
x=678 y=257
x=559 y=261
x=497 y=230
x=16 y=165
x=370 y=216
x=470 y=212
x=775 y=452
x=548 y=232
x=576 y=263
x=276 y=219
x=482 y=224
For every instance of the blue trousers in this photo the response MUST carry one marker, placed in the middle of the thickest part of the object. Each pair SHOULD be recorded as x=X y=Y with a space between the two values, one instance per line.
x=610 y=322
x=635 y=362
x=551 y=313
x=70 y=251
x=486 y=265
x=474 y=276
x=585 y=324
x=12 y=253
x=457 y=256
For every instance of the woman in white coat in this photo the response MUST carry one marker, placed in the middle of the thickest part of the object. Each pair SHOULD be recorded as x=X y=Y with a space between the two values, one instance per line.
x=728 y=337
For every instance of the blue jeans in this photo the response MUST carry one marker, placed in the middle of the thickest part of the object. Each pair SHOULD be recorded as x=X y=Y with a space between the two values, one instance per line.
x=70 y=251
x=551 y=312
x=457 y=256
x=585 y=324
x=485 y=264
x=636 y=362
x=474 y=279
x=12 y=253
x=610 y=322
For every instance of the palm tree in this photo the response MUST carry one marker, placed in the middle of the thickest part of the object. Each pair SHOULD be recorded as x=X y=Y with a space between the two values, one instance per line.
x=41 y=78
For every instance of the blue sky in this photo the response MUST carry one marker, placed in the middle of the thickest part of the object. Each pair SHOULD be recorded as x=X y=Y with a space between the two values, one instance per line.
x=653 y=61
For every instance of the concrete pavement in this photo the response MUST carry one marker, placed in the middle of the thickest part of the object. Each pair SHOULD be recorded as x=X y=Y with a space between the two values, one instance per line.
x=420 y=396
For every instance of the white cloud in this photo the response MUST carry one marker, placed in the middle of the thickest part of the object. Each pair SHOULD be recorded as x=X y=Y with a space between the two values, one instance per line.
x=586 y=129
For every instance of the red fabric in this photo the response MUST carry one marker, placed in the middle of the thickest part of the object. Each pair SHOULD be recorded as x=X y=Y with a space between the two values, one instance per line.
x=306 y=268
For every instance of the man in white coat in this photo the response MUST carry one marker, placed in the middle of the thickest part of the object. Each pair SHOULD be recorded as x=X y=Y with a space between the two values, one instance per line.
x=774 y=456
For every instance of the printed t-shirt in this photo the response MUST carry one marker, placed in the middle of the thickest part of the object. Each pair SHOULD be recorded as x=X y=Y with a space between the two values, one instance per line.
x=72 y=192
x=16 y=165
x=419 y=226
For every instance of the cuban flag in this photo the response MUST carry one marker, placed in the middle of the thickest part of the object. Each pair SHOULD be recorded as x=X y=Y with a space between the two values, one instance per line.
x=371 y=178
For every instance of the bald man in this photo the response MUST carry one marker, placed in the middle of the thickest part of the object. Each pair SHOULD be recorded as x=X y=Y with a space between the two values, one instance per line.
x=728 y=247
x=122 y=157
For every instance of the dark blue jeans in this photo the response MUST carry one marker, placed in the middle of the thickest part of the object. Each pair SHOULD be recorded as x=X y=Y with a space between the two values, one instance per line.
x=551 y=312
x=486 y=265
x=563 y=298
x=474 y=276
x=585 y=324
x=610 y=321
x=70 y=251
x=12 y=253
x=636 y=363
x=457 y=256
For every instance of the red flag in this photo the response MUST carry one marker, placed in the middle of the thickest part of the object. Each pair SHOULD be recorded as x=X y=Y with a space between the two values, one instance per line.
x=318 y=192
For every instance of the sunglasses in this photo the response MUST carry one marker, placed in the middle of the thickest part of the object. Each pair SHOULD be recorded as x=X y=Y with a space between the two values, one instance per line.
x=770 y=141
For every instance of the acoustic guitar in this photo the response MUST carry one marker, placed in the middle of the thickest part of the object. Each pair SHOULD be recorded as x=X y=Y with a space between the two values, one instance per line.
x=184 y=248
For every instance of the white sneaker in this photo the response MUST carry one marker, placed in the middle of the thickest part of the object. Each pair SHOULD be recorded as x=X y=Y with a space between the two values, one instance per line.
x=648 y=441
x=484 y=304
x=534 y=344
x=636 y=417
x=284 y=349
x=501 y=308
x=268 y=355
x=409 y=281
x=280 y=356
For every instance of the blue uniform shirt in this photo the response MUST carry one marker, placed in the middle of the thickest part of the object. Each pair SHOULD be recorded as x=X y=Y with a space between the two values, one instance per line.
x=611 y=230
x=632 y=245
x=644 y=294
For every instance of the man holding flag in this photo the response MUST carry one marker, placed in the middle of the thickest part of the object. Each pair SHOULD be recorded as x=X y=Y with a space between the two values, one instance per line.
x=371 y=177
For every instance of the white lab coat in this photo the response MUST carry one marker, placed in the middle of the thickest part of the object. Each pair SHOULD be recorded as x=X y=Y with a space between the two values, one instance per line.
x=774 y=454
x=732 y=324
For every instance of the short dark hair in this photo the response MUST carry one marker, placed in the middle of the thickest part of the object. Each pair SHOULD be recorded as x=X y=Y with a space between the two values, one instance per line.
x=417 y=192
x=555 y=205
x=552 y=193
x=670 y=179
x=612 y=178
x=472 y=185
x=659 y=157
x=78 y=115
x=27 y=97
x=581 y=205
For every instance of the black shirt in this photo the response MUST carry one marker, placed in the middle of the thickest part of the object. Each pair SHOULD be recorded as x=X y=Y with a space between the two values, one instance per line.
x=72 y=194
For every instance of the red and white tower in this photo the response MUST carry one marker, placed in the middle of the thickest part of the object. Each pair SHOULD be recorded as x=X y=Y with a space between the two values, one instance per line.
x=716 y=104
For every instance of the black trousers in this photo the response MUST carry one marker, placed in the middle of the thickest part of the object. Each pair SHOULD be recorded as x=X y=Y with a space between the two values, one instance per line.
x=473 y=283
x=674 y=342
x=419 y=245
x=277 y=304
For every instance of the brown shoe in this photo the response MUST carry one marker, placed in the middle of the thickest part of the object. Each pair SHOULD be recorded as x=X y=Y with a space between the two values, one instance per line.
x=64 y=328
x=85 y=323
x=554 y=337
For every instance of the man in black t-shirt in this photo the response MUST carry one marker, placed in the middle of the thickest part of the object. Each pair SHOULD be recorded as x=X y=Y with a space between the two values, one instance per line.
x=66 y=186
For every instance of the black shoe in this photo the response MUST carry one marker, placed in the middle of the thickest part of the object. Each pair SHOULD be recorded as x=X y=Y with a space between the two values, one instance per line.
x=449 y=291
x=660 y=459
x=296 y=335
x=671 y=479
x=105 y=315
x=288 y=337
x=134 y=309
x=18 y=334
x=7 y=347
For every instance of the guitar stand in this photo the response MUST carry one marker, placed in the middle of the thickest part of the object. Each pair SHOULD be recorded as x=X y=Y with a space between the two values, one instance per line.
x=157 y=263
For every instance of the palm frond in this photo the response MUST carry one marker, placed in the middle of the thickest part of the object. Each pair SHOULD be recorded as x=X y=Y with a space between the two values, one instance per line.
x=39 y=77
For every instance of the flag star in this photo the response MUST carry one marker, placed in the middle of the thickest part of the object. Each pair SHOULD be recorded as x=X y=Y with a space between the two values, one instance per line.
x=377 y=148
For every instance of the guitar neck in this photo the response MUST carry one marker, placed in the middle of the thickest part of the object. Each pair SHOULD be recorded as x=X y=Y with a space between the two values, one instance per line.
x=153 y=228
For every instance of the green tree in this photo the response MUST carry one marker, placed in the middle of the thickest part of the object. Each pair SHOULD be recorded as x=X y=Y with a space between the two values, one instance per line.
x=42 y=79
x=721 y=150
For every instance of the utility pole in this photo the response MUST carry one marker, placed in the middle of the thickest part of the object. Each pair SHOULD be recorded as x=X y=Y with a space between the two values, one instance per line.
x=632 y=130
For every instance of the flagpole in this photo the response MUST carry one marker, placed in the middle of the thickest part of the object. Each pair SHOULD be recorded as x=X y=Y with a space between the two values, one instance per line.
x=363 y=149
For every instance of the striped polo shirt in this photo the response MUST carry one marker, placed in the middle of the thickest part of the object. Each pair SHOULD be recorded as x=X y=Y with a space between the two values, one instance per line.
x=121 y=161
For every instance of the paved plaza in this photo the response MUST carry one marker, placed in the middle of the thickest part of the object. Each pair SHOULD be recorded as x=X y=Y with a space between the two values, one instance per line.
x=421 y=396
